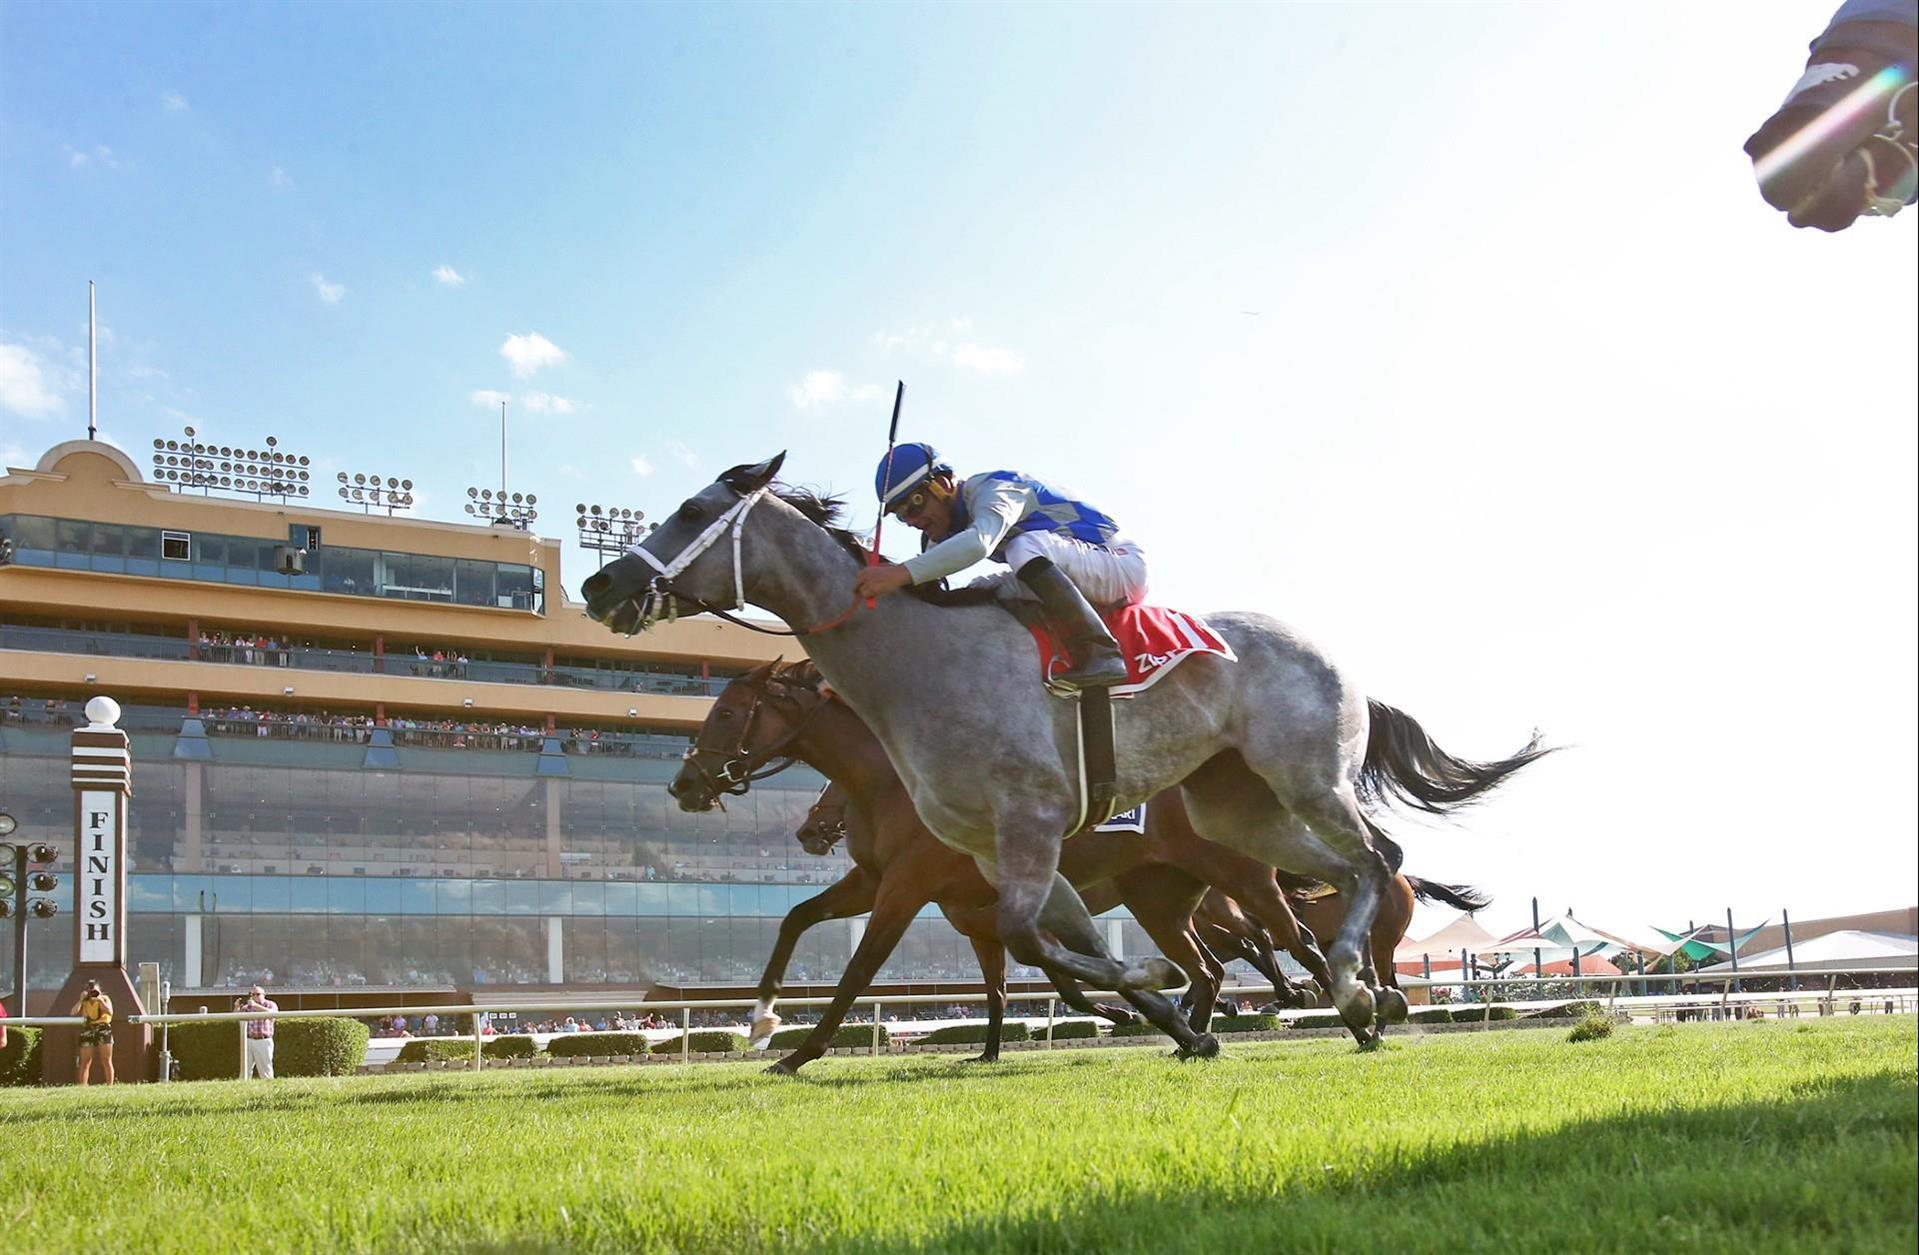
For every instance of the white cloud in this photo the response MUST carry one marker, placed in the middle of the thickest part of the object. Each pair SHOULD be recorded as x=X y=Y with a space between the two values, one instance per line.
x=100 y=155
x=278 y=178
x=642 y=467
x=821 y=388
x=25 y=386
x=931 y=339
x=174 y=102
x=988 y=361
x=12 y=455
x=331 y=293
x=545 y=403
x=679 y=450
x=449 y=276
x=488 y=398
x=530 y=353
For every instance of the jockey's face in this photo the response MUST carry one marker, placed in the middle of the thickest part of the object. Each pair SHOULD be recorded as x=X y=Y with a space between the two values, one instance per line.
x=929 y=509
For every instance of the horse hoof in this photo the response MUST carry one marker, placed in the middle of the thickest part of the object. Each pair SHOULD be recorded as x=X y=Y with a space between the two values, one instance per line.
x=1391 y=1006
x=992 y=1058
x=1371 y=1039
x=785 y=1067
x=1207 y=1047
x=1155 y=973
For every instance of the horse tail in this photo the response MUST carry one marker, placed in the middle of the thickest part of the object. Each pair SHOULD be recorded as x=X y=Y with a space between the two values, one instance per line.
x=1462 y=897
x=1402 y=763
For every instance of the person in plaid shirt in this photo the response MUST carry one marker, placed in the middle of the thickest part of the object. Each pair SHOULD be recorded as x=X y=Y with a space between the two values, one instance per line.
x=259 y=1034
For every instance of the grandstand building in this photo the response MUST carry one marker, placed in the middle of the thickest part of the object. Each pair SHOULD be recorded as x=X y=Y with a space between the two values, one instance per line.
x=412 y=764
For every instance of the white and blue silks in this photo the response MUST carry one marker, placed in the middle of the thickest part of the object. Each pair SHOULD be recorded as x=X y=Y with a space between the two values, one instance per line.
x=1004 y=516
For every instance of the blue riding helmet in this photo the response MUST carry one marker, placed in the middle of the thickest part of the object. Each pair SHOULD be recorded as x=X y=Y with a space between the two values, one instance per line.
x=911 y=464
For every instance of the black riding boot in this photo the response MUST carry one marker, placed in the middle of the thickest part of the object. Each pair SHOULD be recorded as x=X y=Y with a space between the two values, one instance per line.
x=1096 y=657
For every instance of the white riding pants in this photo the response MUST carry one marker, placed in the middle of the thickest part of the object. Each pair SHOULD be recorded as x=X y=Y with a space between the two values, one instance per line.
x=1107 y=574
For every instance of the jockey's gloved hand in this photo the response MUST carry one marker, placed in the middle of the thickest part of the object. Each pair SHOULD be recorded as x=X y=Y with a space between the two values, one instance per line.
x=1823 y=166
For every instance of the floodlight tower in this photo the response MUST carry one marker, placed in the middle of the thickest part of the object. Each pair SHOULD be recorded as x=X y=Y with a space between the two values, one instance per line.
x=16 y=882
x=610 y=529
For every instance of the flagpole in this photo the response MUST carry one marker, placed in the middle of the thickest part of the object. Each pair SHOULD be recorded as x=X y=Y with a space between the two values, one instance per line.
x=93 y=373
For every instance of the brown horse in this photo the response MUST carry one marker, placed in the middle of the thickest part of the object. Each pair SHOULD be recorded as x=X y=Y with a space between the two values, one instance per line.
x=772 y=714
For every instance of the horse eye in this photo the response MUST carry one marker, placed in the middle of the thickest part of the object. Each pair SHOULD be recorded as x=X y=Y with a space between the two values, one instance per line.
x=722 y=713
x=689 y=513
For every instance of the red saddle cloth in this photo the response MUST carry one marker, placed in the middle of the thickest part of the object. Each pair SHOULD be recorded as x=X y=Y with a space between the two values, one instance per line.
x=1153 y=638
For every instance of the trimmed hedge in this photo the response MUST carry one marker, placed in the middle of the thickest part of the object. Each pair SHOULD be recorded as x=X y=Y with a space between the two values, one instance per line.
x=509 y=1046
x=844 y=1035
x=20 y=1057
x=207 y=1052
x=1245 y=1024
x=969 y=1034
x=1430 y=1015
x=1327 y=1020
x=328 y=1047
x=699 y=1041
x=601 y=1045
x=436 y=1050
x=1071 y=1029
x=1138 y=1028
x=1565 y=1011
x=1479 y=1015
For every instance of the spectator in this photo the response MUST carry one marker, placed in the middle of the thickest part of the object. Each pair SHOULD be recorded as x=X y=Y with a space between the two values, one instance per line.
x=96 y=1035
x=3 y=1026
x=259 y=1034
x=430 y=1026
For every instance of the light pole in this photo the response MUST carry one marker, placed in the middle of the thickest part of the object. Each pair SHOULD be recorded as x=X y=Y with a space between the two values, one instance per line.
x=15 y=882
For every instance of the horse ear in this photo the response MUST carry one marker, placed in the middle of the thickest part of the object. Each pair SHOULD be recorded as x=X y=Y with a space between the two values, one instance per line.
x=763 y=672
x=744 y=479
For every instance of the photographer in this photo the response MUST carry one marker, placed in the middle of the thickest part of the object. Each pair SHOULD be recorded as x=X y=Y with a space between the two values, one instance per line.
x=96 y=1035
x=259 y=1034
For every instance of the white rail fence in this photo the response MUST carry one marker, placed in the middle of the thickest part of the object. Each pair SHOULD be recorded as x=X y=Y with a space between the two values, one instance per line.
x=1822 y=994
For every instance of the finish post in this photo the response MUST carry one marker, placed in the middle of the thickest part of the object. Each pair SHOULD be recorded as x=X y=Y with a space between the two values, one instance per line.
x=102 y=787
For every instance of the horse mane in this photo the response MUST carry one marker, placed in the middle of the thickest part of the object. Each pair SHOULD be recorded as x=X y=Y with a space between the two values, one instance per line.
x=825 y=511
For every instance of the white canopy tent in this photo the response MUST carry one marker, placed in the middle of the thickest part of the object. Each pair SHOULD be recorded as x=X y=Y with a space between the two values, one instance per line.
x=1846 y=950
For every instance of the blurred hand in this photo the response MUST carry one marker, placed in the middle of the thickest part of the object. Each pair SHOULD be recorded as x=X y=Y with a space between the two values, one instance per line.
x=877 y=581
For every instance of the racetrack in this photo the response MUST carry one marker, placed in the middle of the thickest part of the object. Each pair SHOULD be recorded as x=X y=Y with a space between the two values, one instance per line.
x=1716 y=1137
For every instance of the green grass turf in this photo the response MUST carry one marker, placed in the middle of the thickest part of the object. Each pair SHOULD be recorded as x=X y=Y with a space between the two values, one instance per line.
x=1774 y=1136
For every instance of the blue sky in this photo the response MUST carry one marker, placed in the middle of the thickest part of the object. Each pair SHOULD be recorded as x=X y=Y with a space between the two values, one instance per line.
x=1455 y=334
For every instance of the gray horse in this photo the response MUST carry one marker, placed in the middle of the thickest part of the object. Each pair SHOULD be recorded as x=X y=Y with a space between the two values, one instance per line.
x=1271 y=750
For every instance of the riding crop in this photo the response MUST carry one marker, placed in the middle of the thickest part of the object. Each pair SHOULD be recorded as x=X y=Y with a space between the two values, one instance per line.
x=892 y=438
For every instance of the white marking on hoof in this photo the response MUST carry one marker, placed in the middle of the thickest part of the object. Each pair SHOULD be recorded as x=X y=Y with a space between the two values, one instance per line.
x=765 y=1023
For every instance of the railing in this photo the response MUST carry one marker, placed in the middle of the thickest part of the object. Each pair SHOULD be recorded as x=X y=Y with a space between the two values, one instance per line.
x=1824 y=1000
x=354 y=661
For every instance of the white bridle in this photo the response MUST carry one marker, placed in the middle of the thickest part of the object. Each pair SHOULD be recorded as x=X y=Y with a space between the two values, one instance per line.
x=660 y=599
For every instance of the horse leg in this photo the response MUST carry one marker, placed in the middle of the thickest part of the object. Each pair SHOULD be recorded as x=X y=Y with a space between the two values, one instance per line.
x=894 y=907
x=1065 y=915
x=1265 y=903
x=851 y=895
x=992 y=971
x=1229 y=801
x=1336 y=819
x=1163 y=904
x=1389 y=928
x=981 y=921
x=1035 y=899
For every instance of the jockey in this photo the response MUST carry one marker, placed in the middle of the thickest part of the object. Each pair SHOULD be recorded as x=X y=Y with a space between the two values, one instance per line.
x=1068 y=555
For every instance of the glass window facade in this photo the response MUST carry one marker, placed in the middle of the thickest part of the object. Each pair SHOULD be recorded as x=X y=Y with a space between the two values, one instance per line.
x=123 y=550
x=321 y=874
